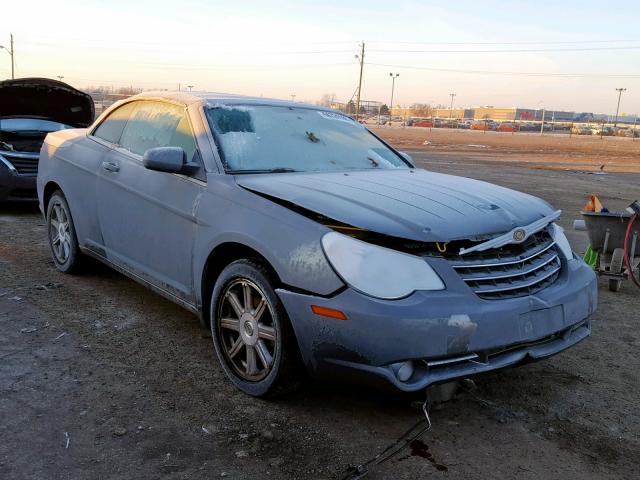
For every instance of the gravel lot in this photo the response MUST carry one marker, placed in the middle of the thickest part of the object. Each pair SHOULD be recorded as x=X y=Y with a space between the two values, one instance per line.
x=102 y=379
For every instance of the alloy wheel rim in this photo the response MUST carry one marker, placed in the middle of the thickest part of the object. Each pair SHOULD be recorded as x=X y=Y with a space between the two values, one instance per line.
x=247 y=332
x=60 y=233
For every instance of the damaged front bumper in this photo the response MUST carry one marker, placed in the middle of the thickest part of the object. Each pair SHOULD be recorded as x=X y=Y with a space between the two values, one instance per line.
x=445 y=334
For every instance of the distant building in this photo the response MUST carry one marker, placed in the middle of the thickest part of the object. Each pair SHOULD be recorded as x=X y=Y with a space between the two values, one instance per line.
x=521 y=114
x=498 y=114
x=493 y=113
x=555 y=116
x=457 y=113
x=628 y=119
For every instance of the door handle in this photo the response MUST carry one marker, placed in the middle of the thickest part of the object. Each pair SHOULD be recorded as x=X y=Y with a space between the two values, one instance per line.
x=111 y=166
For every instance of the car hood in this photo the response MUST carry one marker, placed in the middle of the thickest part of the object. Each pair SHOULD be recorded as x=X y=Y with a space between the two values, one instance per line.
x=413 y=204
x=46 y=98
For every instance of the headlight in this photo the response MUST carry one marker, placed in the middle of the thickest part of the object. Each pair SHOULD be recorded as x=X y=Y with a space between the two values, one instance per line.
x=557 y=233
x=378 y=271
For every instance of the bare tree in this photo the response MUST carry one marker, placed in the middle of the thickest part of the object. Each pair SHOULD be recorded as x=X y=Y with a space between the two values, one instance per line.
x=422 y=110
x=128 y=90
x=327 y=99
x=350 y=108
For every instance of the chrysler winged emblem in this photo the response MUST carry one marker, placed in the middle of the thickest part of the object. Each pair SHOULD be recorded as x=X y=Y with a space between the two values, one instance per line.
x=519 y=235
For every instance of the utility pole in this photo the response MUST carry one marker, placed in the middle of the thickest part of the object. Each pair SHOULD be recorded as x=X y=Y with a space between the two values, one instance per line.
x=393 y=84
x=361 y=57
x=293 y=98
x=11 y=52
x=542 y=123
x=451 y=106
x=619 y=90
x=60 y=77
x=189 y=87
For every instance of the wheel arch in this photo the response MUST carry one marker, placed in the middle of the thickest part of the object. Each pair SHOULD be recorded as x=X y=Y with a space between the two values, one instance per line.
x=221 y=256
x=48 y=191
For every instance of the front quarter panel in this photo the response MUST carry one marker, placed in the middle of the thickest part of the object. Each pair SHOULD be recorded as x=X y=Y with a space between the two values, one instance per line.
x=289 y=241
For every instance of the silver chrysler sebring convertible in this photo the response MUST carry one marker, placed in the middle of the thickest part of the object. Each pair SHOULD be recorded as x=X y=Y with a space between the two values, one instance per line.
x=305 y=242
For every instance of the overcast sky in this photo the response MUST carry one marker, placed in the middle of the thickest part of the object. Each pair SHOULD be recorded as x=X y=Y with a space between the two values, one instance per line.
x=575 y=53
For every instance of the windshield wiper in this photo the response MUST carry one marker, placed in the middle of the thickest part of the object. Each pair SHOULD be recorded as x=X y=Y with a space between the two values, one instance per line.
x=264 y=170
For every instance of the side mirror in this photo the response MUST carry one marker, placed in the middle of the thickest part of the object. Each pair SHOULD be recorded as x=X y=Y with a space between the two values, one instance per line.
x=407 y=157
x=164 y=159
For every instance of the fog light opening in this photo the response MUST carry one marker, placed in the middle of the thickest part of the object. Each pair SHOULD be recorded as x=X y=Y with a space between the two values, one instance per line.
x=403 y=370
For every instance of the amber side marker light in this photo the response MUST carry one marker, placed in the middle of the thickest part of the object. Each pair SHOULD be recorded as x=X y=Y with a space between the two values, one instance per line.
x=328 y=312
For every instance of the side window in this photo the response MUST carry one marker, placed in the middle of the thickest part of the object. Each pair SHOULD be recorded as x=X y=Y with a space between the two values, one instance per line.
x=111 y=127
x=156 y=124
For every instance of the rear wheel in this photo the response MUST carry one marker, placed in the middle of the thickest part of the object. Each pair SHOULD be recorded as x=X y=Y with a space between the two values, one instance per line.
x=62 y=235
x=251 y=332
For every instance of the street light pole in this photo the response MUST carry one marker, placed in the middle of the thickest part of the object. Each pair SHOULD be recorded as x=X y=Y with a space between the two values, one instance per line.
x=619 y=90
x=451 y=106
x=10 y=51
x=393 y=84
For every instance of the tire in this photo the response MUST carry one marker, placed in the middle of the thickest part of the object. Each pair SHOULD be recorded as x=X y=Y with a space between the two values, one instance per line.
x=615 y=284
x=256 y=345
x=617 y=261
x=61 y=234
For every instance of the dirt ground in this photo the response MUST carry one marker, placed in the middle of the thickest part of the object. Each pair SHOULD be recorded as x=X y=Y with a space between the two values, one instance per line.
x=102 y=379
x=549 y=151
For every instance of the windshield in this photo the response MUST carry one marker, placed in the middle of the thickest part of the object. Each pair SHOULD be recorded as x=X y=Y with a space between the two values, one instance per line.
x=257 y=139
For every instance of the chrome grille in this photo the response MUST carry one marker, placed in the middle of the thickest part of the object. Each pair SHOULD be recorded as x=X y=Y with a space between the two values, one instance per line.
x=24 y=163
x=511 y=271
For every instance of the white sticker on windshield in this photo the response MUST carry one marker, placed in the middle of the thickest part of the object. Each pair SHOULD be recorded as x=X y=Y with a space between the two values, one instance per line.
x=335 y=116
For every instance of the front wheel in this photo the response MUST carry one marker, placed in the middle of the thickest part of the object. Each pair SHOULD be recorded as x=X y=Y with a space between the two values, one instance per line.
x=251 y=332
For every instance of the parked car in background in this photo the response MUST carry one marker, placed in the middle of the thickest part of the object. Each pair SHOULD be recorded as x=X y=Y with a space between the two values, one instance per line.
x=528 y=127
x=604 y=131
x=425 y=123
x=30 y=108
x=305 y=241
x=484 y=125
x=507 y=127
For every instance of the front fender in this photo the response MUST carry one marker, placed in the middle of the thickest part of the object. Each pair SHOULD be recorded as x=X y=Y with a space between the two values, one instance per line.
x=289 y=241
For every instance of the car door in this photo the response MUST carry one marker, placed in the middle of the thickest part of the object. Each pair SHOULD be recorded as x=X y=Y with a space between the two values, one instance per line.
x=83 y=195
x=147 y=217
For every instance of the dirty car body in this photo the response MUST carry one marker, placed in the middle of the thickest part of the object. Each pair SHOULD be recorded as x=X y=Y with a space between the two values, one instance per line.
x=30 y=108
x=436 y=277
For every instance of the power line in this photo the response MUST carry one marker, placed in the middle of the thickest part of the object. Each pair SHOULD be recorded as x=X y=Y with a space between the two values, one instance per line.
x=111 y=41
x=513 y=50
x=110 y=46
x=563 y=42
x=489 y=72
